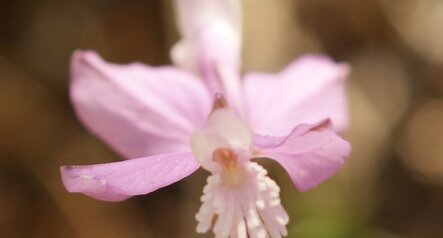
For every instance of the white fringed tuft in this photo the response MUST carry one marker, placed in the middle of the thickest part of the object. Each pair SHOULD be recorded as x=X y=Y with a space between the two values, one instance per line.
x=251 y=208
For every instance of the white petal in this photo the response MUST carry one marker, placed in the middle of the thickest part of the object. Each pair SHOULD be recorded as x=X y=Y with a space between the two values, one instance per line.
x=230 y=127
x=211 y=35
x=203 y=144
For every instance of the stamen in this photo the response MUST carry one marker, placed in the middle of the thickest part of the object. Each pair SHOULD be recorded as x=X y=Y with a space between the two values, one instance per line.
x=219 y=102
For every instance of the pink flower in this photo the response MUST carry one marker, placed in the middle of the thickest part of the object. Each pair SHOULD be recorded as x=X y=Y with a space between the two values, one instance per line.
x=166 y=121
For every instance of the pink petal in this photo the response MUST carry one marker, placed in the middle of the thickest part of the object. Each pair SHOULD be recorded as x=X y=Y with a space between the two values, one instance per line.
x=308 y=90
x=120 y=180
x=211 y=32
x=310 y=153
x=137 y=109
x=232 y=88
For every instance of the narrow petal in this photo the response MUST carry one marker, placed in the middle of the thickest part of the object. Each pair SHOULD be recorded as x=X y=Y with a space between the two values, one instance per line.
x=310 y=153
x=308 y=90
x=120 y=180
x=137 y=109
x=232 y=88
x=211 y=32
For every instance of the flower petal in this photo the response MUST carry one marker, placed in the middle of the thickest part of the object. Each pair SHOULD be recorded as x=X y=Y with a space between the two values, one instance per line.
x=231 y=128
x=211 y=32
x=310 y=153
x=120 y=180
x=203 y=144
x=308 y=90
x=224 y=130
x=137 y=109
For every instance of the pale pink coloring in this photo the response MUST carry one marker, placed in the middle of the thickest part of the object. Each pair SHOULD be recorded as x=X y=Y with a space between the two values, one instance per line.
x=162 y=120
x=239 y=194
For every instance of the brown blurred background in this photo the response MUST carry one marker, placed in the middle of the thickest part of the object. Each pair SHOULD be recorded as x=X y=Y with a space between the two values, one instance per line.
x=392 y=186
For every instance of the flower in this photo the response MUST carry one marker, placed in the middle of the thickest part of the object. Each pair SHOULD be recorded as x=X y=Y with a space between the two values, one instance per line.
x=166 y=122
x=239 y=192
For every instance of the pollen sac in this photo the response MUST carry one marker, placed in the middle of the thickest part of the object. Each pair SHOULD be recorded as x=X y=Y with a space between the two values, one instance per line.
x=219 y=102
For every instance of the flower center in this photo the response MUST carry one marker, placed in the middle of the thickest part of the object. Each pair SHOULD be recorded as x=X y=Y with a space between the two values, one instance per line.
x=232 y=173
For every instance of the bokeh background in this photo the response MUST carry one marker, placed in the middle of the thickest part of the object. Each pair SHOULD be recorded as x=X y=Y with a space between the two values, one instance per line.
x=392 y=186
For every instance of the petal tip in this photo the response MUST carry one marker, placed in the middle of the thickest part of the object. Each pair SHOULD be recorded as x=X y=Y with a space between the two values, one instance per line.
x=344 y=69
x=83 y=58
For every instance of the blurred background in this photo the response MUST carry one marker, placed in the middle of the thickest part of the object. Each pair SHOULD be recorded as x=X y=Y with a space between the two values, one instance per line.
x=391 y=187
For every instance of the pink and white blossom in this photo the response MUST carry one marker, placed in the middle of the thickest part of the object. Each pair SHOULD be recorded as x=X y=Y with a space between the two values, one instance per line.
x=168 y=121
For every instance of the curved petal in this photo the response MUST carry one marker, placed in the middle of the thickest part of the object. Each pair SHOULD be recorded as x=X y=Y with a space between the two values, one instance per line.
x=120 y=180
x=310 y=153
x=211 y=32
x=137 y=109
x=308 y=90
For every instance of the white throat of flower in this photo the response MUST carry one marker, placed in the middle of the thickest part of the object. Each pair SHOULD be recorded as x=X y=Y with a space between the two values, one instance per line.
x=239 y=198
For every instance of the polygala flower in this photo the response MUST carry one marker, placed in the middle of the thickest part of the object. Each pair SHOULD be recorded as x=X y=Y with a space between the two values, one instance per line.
x=169 y=121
